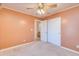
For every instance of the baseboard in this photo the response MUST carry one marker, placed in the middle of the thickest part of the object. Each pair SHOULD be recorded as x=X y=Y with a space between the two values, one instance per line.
x=14 y=46
x=70 y=50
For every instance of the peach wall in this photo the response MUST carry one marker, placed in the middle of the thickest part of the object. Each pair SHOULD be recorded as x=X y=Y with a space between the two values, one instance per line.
x=70 y=27
x=15 y=28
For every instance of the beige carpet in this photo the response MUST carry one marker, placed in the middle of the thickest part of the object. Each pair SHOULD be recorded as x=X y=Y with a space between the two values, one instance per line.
x=37 y=48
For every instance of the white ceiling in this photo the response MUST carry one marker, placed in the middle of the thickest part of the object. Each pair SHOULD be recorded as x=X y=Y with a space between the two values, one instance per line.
x=22 y=7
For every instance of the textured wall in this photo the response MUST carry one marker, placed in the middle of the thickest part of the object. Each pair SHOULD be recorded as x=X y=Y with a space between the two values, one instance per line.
x=15 y=28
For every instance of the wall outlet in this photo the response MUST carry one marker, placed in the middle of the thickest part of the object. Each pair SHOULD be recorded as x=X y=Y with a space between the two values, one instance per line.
x=24 y=40
x=77 y=46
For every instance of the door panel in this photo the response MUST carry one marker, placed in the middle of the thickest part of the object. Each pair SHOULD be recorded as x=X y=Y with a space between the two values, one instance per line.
x=43 y=30
x=54 y=31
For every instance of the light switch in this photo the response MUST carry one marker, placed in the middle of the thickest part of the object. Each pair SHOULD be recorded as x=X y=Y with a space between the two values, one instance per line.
x=31 y=29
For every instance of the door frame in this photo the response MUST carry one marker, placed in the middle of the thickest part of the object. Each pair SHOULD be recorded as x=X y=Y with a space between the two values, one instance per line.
x=35 y=28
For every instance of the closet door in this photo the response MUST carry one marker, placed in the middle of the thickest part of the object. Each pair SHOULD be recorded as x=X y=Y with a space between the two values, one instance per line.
x=43 y=30
x=54 y=31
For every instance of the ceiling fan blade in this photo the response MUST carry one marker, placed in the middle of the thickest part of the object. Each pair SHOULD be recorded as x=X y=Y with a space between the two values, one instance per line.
x=0 y=4
x=29 y=8
x=52 y=5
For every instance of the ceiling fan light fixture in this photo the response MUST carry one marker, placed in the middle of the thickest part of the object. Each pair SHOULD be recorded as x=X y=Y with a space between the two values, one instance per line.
x=44 y=7
x=40 y=11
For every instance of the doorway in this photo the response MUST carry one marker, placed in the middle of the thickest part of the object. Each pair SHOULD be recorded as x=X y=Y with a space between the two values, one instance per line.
x=37 y=30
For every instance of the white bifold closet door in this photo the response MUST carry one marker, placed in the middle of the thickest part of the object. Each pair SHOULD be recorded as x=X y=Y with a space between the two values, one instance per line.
x=43 y=30
x=54 y=31
x=51 y=31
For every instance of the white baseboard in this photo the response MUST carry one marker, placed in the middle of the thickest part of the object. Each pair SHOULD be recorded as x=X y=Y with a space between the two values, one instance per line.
x=5 y=49
x=70 y=50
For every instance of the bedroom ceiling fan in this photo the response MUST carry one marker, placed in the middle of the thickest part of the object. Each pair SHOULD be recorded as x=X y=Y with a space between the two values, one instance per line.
x=42 y=8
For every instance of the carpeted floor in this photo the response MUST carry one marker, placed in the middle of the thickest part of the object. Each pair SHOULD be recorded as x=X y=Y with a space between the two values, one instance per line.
x=37 y=48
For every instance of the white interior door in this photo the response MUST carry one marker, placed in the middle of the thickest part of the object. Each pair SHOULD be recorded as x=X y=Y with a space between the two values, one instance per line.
x=54 y=31
x=43 y=30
